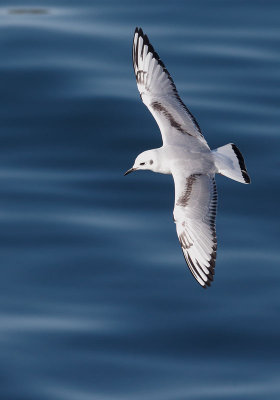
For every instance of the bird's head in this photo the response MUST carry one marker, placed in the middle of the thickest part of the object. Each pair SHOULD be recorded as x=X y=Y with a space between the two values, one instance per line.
x=145 y=160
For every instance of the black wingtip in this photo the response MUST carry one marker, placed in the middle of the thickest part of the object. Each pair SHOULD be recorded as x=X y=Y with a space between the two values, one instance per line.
x=145 y=39
x=139 y=31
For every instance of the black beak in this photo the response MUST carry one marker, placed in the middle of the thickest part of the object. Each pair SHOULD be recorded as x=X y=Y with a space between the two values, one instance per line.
x=130 y=170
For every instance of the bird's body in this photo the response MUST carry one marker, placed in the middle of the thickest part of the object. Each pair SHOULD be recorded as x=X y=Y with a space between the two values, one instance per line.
x=168 y=159
x=186 y=155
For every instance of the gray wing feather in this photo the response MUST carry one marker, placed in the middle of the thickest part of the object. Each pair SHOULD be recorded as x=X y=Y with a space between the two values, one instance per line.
x=194 y=215
x=159 y=94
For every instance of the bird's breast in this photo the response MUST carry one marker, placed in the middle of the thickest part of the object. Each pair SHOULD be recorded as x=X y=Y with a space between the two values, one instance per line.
x=192 y=162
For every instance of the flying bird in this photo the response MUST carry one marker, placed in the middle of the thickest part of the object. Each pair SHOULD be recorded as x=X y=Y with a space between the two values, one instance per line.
x=185 y=155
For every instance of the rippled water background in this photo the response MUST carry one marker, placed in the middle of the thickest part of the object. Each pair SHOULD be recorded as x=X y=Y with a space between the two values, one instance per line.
x=96 y=301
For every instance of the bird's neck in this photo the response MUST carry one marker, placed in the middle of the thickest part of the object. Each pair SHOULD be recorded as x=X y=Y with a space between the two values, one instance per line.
x=161 y=161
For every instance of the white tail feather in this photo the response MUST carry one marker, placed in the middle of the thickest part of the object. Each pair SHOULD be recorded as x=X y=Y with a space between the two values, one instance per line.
x=230 y=163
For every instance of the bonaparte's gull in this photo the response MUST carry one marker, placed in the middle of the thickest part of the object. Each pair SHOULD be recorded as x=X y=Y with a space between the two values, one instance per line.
x=186 y=155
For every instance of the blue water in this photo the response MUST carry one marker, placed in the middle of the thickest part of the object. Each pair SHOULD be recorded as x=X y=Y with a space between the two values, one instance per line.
x=96 y=302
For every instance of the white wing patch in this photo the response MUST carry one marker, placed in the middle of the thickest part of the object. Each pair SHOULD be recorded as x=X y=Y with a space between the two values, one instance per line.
x=159 y=94
x=194 y=215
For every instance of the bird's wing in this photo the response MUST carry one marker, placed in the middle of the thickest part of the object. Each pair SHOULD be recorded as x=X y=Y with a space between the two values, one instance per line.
x=158 y=92
x=194 y=215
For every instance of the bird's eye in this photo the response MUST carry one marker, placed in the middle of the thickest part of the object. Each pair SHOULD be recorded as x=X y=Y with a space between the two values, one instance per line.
x=142 y=163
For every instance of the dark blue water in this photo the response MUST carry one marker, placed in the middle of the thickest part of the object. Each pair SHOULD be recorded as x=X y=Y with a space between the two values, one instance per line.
x=96 y=301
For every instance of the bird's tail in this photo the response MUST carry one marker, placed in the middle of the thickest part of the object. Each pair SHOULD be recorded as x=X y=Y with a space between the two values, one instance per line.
x=230 y=162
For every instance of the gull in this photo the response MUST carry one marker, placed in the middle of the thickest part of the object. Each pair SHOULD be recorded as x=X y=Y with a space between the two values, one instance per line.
x=185 y=155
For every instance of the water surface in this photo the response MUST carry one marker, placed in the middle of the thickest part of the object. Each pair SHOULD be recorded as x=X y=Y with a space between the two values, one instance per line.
x=96 y=301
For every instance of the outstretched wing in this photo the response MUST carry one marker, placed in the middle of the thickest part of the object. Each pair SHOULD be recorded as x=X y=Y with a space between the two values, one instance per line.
x=194 y=215
x=159 y=94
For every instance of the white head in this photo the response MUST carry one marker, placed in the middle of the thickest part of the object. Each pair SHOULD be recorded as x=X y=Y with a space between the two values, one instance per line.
x=146 y=160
